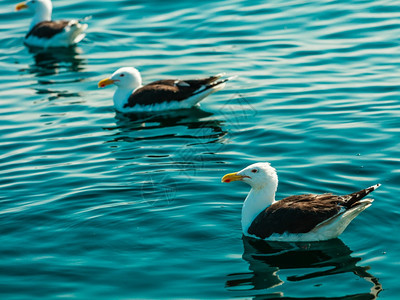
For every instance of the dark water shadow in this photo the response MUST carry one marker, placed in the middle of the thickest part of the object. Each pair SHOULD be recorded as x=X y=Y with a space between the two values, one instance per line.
x=322 y=259
x=201 y=123
x=50 y=61
x=55 y=66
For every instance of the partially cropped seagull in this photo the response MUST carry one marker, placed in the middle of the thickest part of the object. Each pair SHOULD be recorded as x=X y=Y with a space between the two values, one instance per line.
x=45 y=33
x=296 y=218
x=168 y=94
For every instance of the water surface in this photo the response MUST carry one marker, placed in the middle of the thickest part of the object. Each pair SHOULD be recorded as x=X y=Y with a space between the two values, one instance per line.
x=100 y=205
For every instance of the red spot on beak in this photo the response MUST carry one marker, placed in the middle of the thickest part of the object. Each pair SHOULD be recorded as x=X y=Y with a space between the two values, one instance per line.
x=227 y=180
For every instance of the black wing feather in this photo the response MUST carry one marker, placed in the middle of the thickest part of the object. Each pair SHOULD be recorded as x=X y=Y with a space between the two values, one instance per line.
x=295 y=214
x=302 y=213
x=47 y=29
x=169 y=90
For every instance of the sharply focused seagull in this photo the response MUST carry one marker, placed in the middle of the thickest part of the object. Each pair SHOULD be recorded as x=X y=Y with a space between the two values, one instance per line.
x=168 y=94
x=296 y=218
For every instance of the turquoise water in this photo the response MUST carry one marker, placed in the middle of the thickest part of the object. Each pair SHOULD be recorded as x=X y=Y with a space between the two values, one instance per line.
x=99 y=205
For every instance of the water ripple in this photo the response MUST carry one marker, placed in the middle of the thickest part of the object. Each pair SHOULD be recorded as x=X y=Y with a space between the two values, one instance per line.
x=96 y=204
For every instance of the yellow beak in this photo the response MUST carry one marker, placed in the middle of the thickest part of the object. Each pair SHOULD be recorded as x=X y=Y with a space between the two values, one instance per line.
x=20 y=6
x=232 y=177
x=105 y=82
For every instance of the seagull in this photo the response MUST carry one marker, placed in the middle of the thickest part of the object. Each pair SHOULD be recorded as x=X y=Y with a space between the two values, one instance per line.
x=161 y=95
x=307 y=218
x=45 y=33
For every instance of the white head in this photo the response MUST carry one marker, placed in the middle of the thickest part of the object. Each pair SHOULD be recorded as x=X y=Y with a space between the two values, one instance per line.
x=263 y=181
x=41 y=8
x=127 y=78
x=259 y=176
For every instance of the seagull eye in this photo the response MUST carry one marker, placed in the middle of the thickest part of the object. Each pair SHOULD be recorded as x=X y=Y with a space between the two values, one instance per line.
x=122 y=75
x=254 y=171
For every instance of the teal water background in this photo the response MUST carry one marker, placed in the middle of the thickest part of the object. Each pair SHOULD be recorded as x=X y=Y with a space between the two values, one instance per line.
x=99 y=205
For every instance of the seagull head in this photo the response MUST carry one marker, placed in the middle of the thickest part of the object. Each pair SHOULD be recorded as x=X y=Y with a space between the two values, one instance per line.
x=36 y=6
x=258 y=176
x=125 y=78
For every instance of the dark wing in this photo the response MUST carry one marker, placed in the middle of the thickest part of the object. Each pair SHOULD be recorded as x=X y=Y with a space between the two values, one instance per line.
x=47 y=29
x=170 y=90
x=194 y=83
x=353 y=199
x=295 y=214
x=300 y=214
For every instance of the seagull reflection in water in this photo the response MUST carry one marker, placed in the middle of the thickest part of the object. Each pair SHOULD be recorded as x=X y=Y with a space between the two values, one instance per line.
x=325 y=258
x=51 y=61
x=203 y=127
